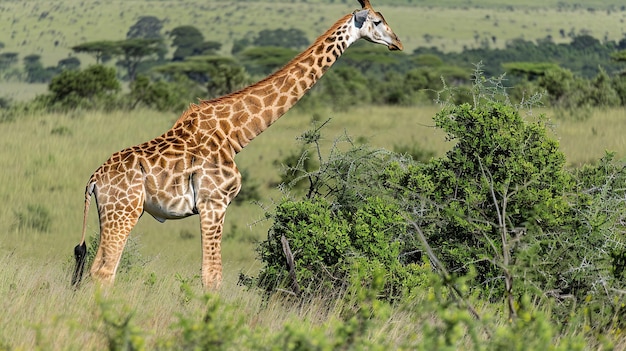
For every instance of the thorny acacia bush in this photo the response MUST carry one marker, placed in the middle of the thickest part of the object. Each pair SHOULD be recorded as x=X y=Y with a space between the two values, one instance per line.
x=344 y=221
x=503 y=174
x=500 y=206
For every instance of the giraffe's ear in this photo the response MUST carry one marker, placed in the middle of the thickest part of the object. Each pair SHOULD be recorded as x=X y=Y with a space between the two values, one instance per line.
x=360 y=17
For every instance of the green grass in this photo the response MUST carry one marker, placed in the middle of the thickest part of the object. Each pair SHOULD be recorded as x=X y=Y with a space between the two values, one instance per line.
x=51 y=28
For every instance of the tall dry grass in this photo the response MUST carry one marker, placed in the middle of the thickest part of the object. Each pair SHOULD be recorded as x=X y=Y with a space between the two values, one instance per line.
x=586 y=141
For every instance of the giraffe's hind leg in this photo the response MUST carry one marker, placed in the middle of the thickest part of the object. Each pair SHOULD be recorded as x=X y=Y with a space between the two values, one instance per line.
x=117 y=219
x=109 y=254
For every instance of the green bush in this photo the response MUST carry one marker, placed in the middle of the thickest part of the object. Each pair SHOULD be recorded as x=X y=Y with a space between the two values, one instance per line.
x=328 y=244
x=117 y=326
x=94 y=87
x=345 y=219
x=343 y=87
x=217 y=329
x=503 y=179
x=595 y=249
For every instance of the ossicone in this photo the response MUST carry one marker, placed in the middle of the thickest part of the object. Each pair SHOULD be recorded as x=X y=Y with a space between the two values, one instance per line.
x=365 y=4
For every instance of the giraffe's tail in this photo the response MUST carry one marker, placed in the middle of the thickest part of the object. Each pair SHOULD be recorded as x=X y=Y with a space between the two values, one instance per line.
x=80 y=251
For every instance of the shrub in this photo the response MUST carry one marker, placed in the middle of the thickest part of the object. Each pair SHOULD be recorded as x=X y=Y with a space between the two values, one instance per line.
x=343 y=87
x=329 y=244
x=502 y=201
x=118 y=327
x=90 y=88
x=502 y=179
x=619 y=85
x=217 y=329
x=295 y=165
x=345 y=219
x=592 y=258
x=499 y=212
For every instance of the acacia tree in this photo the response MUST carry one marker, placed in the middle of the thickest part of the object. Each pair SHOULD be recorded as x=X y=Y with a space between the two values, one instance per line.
x=190 y=42
x=102 y=50
x=35 y=71
x=220 y=75
x=529 y=70
x=149 y=27
x=134 y=51
x=287 y=38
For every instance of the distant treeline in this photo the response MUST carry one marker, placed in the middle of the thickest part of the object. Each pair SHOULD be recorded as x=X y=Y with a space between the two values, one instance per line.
x=582 y=73
x=584 y=55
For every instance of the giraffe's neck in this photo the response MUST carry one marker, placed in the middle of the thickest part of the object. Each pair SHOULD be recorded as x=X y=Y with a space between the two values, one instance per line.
x=243 y=115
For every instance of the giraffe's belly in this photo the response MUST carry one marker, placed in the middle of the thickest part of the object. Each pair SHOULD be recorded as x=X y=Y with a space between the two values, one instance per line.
x=174 y=208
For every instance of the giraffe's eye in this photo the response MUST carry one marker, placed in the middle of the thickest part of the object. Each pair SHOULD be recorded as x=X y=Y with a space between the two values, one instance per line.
x=377 y=22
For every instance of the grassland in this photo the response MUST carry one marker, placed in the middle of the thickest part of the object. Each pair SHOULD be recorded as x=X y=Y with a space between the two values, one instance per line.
x=47 y=159
x=51 y=28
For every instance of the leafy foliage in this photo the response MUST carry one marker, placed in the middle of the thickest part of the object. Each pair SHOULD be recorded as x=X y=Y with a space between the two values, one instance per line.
x=576 y=76
x=160 y=95
x=342 y=88
x=189 y=41
x=87 y=88
x=343 y=223
x=264 y=60
x=500 y=211
x=286 y=38
x=134 y=51
x=331 y=244
x=575 y=56
x=503 y=174
x=102 y=50
x=220 y=75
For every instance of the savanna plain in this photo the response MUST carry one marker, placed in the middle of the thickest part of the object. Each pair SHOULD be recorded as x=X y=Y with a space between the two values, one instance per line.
x=47 y=159
x=159 y=303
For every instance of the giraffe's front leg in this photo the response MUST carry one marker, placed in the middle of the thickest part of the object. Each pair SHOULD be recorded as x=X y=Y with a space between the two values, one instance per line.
x=211 y=224
x=212 y=209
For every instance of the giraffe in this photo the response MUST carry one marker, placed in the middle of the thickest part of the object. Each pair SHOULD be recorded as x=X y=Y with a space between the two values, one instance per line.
x=190 y=169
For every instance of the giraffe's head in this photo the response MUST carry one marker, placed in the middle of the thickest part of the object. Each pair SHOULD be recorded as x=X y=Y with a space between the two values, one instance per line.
x=373 y=27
